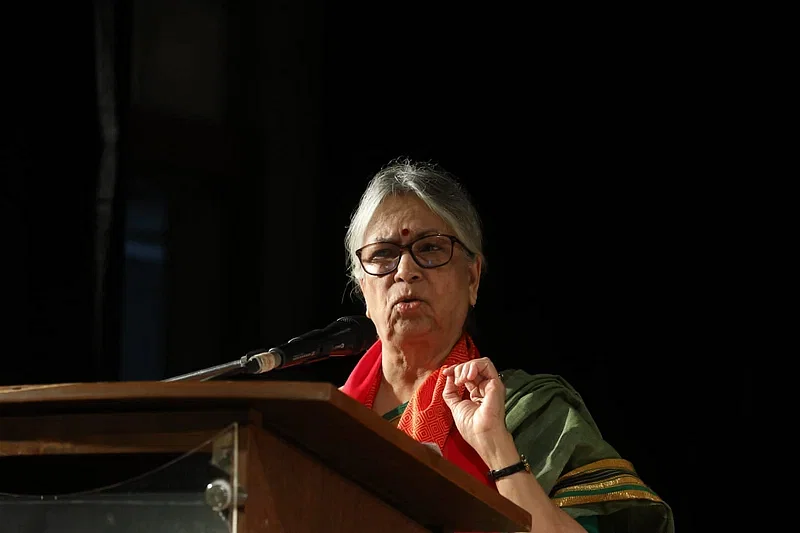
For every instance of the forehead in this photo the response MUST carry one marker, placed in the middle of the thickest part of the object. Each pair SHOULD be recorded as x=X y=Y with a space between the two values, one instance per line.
x=403 y=212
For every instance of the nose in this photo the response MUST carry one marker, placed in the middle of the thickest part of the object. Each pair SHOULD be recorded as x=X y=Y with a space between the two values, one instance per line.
x=407 y=269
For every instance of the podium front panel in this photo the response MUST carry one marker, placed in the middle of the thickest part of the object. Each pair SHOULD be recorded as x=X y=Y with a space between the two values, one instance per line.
x=194 y=492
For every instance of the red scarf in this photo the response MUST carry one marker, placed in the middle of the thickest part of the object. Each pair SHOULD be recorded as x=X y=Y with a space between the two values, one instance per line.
x=426 y=418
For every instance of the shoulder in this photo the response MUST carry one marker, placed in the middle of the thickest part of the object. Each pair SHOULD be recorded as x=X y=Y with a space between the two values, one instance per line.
x=529 y=394
x=518 y=383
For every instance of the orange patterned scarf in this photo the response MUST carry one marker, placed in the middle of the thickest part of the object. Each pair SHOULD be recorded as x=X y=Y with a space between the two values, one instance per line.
x=426 y=418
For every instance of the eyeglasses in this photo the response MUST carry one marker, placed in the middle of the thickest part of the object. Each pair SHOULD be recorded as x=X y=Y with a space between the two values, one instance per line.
x=428 y=251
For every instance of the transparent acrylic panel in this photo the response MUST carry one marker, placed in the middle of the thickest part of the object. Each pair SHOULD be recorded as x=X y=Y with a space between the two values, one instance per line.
x=196 y=492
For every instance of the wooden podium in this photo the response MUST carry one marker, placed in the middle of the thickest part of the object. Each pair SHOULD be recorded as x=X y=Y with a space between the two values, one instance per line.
x=300 y=456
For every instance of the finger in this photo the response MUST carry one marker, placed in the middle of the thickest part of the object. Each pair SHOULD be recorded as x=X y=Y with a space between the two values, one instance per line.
x=494 y=397
x=460 y=374
x=477 y=370
x=487 y=368
x=473 y=372
x=470 y=387
x=476 y=394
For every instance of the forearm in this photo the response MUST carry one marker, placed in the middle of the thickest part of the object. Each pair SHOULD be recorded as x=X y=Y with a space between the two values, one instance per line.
x=523 y=489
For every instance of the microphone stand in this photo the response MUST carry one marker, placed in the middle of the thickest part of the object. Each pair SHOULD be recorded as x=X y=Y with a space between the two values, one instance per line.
x=224 y=370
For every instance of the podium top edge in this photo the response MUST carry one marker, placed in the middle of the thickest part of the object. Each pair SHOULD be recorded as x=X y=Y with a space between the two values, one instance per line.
x=124 y=391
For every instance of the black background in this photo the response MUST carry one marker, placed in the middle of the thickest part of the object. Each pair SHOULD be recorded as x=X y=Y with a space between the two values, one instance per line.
x=587 y=139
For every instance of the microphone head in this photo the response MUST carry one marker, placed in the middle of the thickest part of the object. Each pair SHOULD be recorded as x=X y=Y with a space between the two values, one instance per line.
x=361 y=328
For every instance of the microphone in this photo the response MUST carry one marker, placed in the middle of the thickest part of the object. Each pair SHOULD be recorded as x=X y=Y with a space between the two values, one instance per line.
x=349 y=335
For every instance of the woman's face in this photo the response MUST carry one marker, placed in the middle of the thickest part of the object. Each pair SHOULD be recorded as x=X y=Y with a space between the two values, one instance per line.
x=415 y=304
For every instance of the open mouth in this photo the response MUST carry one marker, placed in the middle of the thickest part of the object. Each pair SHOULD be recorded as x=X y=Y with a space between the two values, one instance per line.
x=407 y=304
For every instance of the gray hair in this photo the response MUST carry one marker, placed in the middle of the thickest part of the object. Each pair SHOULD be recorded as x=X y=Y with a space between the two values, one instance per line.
x=440 y=191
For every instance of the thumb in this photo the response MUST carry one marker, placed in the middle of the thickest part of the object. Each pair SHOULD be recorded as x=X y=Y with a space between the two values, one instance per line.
x=450 y=394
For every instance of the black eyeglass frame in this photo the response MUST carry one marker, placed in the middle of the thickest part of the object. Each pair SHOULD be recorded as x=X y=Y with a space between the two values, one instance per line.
x=453 y=241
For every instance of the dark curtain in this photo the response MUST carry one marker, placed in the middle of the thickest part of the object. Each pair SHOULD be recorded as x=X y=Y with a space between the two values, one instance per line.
x=111 y=67
x=61 y=224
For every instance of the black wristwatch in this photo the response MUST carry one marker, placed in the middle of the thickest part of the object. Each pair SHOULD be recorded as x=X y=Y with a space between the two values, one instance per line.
x=494 y=475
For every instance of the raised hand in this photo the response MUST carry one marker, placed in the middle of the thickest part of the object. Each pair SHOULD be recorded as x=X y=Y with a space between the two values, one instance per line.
x=479 y=418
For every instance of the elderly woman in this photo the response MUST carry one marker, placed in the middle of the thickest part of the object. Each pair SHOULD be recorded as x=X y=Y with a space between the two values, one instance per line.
x=415 y=252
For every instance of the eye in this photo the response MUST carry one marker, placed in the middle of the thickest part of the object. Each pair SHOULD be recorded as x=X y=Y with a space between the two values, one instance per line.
x=428 y=247
x=379 y=252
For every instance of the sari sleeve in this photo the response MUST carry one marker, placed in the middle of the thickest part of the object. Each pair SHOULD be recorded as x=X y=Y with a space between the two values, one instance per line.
x=582 y=473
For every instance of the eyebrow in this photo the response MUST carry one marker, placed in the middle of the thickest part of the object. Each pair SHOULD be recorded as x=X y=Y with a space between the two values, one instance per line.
x=413 y=235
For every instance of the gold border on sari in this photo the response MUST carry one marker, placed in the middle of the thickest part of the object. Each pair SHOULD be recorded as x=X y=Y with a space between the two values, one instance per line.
x=628 y=494
x=604 y=490
x=601 y=485
x=599 y=465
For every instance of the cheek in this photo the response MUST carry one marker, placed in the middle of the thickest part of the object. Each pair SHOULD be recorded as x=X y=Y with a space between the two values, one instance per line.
x=374 y=295
x=454 y=290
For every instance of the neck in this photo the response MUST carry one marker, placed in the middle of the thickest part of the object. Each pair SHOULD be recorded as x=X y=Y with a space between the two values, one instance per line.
x=407 y=365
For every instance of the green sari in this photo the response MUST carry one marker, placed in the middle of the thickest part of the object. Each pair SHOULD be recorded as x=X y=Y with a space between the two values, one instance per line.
x=580 y=471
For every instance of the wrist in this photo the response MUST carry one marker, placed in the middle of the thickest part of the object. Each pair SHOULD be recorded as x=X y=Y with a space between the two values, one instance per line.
x=498 y=450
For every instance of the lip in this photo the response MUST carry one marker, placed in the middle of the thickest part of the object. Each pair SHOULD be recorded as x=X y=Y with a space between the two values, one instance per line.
x=407 y=306
x=408 y=299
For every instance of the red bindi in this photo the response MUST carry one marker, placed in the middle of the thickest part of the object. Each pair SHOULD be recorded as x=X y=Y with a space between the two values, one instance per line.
x=404 y=232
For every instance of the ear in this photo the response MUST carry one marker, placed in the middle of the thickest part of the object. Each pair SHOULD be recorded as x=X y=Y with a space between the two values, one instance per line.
x=474 y=279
